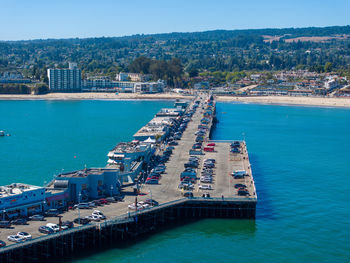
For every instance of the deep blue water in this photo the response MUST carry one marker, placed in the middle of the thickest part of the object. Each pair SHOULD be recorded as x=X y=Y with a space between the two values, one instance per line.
x=300 y=161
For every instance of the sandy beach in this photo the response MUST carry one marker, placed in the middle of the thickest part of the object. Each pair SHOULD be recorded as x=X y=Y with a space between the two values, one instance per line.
x=95 y=96
x=280 y=100
x=286 y=100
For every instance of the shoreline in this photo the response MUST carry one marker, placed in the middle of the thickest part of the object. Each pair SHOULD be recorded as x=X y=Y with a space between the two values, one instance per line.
x=291 y=101
x=268 y=100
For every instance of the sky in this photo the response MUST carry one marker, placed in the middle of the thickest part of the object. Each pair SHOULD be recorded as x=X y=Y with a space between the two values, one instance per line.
x=41 y=19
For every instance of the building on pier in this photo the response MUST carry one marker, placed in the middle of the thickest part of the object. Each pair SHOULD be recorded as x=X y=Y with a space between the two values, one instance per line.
x=19 y=199
x=91 y=183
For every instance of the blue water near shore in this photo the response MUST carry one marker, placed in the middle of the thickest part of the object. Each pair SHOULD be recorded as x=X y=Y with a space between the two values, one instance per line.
x=299 y=156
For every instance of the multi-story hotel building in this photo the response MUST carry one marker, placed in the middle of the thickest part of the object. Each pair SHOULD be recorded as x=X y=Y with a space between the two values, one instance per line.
x=65 y=80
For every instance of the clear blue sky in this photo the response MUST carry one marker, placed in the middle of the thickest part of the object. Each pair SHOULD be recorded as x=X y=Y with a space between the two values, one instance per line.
x=33 y=19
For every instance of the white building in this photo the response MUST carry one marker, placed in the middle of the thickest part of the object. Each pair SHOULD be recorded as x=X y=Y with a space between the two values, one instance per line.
x=65 y=80
x=149 y=87
x=137 y=77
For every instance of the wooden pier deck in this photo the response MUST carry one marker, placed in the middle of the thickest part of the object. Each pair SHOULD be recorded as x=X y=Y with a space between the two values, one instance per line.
x=123 y=223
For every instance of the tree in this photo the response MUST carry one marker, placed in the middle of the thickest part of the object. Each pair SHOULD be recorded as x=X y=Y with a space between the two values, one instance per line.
x=140 y=65
x=193 y=72
x=328 y=67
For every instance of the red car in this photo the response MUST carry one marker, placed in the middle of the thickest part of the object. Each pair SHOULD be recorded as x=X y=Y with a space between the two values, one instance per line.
x=103 y=201
x=211 y=144
x=208 y=149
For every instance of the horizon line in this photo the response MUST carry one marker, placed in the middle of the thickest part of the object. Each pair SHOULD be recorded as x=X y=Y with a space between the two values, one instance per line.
x=167 y=33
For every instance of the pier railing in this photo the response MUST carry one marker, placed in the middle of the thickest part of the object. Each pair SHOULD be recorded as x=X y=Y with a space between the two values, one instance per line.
x=46 y=237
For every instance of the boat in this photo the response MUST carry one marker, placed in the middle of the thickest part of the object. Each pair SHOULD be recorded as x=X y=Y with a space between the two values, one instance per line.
x=2 y=133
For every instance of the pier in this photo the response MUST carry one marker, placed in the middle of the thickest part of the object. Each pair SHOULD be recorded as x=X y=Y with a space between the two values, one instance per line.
x=222 y=200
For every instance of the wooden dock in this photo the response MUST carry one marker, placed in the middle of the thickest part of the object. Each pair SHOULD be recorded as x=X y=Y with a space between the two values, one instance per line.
x=123 y=225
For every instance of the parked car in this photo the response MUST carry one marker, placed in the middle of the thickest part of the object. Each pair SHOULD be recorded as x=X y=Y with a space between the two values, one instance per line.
x=240 y=186
x=81 y=221
x=151 y=202
x=92 y=204
x=111 y=200
x=205 y=187
x=243 y=192
x=15 y=238
x=119 y=198
x=46 y=230
x=151 y=181
x=24 y=235
x=5 y=224
x=53 y=226
x=133 y=207
x=143 y=204
x=93 y=218
x=82 y=206
x=173 y=143
x=52 y=212
x=37 y=218
x=68 y=224
x=188 y=194
x=104 y=201
x=19 y=221
x=99 y=214
x=2 y=243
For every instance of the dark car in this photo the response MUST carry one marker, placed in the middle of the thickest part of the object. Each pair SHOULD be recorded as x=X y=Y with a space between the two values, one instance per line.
x=19 y=221
x=2 y=243
x=111 y=200
x=191 y=164
x=119 y=198
x=81 y=221
x=69 y=224
x=5 y=224
x=151 y=202
x=52 y=212
x=173 y=143
x=188 y=194
x=37 y=218
x=46 y=230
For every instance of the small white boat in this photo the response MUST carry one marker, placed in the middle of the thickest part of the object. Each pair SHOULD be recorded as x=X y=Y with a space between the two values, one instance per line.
x=2 y=133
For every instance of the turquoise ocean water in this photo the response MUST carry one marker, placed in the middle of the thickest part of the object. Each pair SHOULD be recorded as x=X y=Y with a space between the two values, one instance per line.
x=299 y=155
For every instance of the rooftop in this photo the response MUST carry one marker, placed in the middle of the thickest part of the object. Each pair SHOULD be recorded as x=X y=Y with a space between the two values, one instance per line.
x=86 y=172
x=128 y=147
x=16 y=189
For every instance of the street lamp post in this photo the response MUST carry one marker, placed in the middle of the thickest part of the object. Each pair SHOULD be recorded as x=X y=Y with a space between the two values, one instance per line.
x=79 y=208
x=111 y=190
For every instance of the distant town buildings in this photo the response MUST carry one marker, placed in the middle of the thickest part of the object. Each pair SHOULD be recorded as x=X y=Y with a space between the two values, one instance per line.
x=136 y=77
x=65 y=80
x=106 y=85
x=13 y=77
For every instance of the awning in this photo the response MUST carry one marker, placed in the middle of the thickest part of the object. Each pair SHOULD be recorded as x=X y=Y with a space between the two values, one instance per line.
x=149 y=140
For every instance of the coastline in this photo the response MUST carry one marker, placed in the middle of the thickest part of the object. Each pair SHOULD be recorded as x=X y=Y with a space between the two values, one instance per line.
x=94 y=96
x=271 y=100
x=293 y=101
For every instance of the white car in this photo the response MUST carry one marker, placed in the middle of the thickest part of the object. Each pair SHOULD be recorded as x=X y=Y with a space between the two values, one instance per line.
x=24 y=235
x=133 y=207
x=15 y=238
x=99 y=214
x=93 y=218
x=55 y=227
x=143 y=204
x=205 y=187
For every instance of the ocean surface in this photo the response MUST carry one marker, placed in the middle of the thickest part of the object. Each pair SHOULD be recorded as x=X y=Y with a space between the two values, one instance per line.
x=300 y=159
